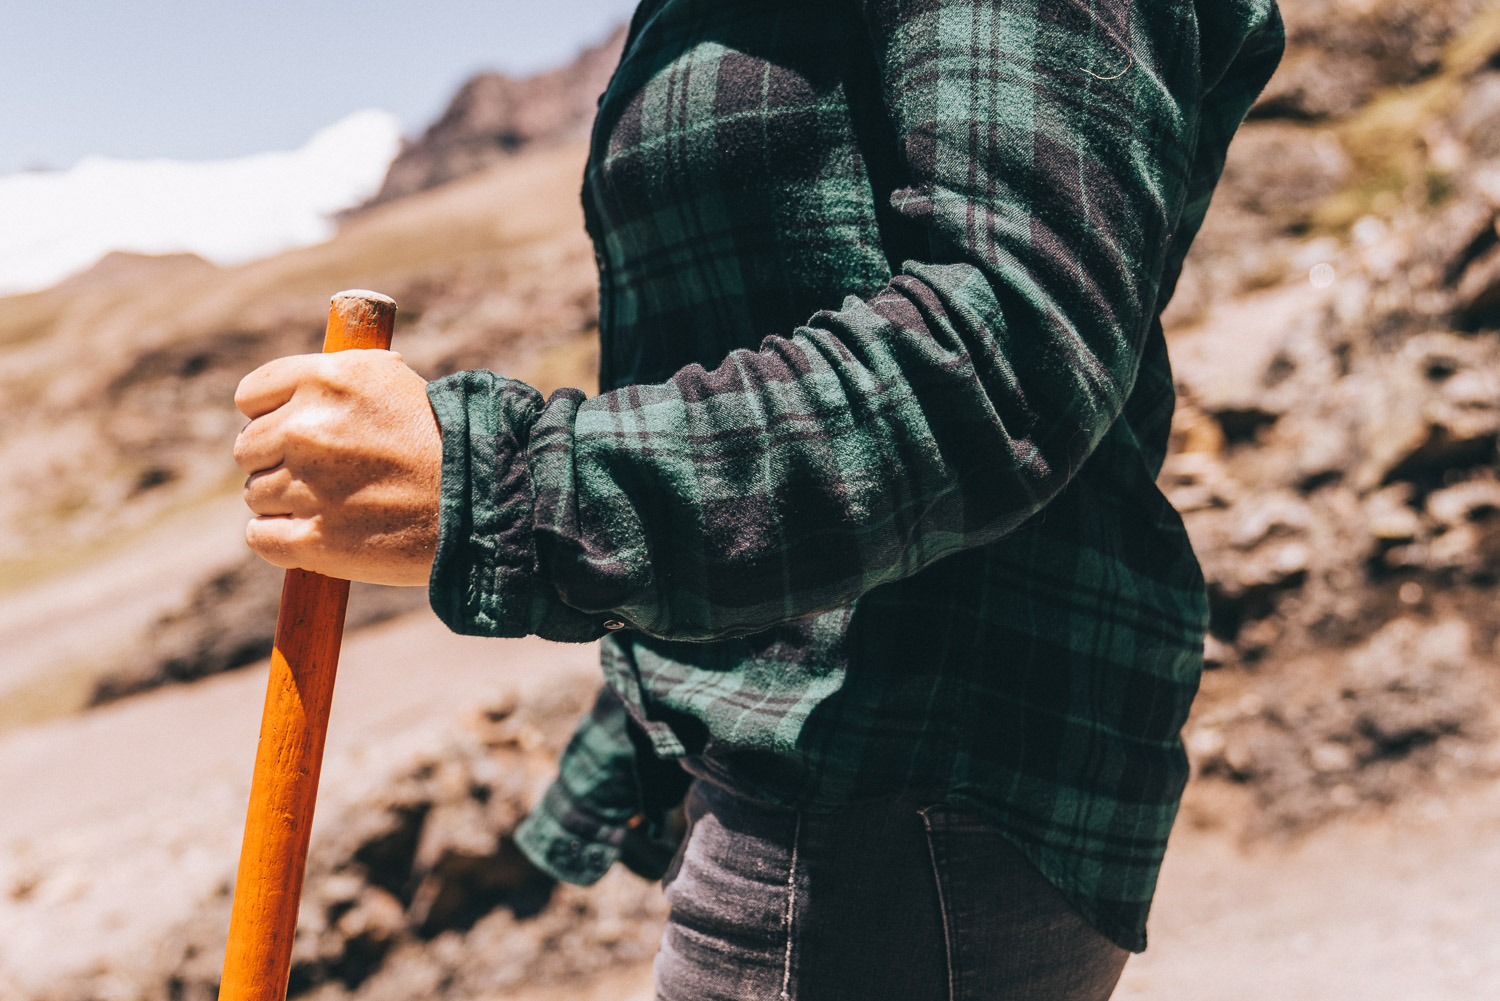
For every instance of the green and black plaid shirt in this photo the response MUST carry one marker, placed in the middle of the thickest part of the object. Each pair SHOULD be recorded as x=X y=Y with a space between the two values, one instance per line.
x=869 y=503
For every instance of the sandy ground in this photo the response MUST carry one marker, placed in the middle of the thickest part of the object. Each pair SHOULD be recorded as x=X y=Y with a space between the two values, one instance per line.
x=1406 y=907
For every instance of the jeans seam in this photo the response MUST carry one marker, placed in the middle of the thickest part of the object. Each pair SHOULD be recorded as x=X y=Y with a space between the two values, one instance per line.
x=937 y=879
x=791 y=907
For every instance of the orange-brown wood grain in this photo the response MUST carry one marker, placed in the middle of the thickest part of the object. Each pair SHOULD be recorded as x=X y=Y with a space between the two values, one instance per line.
x=289 y=757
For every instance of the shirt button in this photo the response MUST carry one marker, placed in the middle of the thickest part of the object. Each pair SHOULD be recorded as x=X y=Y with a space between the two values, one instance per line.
x=614 y=624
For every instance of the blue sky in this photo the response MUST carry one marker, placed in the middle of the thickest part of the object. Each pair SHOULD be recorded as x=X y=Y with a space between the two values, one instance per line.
x=212 y=79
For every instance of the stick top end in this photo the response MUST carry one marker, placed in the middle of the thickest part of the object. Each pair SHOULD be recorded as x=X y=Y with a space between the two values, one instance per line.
x=365 y=294
x=359 y=319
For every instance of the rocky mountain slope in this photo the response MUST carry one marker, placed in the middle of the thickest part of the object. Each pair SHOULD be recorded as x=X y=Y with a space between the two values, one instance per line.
x=493 y=117
x=1335 y=455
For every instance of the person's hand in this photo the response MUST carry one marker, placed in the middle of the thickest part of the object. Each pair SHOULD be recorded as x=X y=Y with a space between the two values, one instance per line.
x=345 y=461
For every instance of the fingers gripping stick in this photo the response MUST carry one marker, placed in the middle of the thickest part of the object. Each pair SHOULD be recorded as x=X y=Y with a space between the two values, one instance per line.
x=289 y=758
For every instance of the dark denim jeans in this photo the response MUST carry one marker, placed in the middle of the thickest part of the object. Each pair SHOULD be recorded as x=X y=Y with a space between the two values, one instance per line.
x=891 y=900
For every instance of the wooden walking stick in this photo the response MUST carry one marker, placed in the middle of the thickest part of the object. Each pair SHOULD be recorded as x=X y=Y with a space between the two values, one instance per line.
x=289 y=758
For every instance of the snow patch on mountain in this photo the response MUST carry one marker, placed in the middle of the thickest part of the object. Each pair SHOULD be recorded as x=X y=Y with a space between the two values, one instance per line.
x=53 y=225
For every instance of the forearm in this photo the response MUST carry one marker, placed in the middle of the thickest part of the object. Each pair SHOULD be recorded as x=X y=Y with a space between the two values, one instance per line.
x=785 y=481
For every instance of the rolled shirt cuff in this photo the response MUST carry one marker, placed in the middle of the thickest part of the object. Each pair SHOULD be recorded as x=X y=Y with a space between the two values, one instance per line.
x=566 y=842
x=485 y=579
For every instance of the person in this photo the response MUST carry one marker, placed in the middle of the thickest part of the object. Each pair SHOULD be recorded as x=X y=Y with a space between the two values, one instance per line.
x=865 y=517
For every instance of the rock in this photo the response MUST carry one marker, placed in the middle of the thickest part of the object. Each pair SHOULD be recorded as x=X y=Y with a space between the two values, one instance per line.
x=1239 y=759
x=1477 y=306
x=460 y=887
x=1273 y=569
x=1400 y=708
x=493 y=117
x=1412 y=678
x=1321 y=453
x=366 y=932
x=1276 y=513
x=1243 y=422
x=1216 y=653
x=1206 y=744
x=1390 y=518
x=1343 y=796
x=1435 y=446
x=1477 y=121
x=1464 y=233
x=1283 y=171
x=1195 y=481
x=1341 y=53
x=1406 y=645
x=229 y=621
x=1259 y=636
x=1436 y=408
x=1455 y=506
x=1330 y=757
x=421 y=891
x=338 y=890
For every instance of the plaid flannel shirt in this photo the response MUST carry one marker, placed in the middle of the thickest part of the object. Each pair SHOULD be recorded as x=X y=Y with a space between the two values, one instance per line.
x=868 y=504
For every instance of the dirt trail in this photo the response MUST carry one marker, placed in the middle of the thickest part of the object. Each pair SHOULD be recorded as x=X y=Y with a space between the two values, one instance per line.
x=54 y=635
x=1405 y=907
x=118 y=821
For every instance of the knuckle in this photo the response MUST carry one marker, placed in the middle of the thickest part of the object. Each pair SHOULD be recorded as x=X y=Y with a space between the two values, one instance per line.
x=263 y=542
x=244 y=392
x=257 y=492
x=243 y=442
x=329 y=371
x=298 y=432
x=305 y=427
x=280 y=541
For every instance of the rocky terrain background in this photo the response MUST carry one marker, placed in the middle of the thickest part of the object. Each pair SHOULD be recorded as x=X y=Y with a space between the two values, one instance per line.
x=1335 y=345
x=418 y=891
x=493 y=117
x=1339 y=378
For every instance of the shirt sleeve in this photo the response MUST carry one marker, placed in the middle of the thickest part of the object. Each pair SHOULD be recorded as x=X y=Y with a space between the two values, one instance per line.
x=1045 y=151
